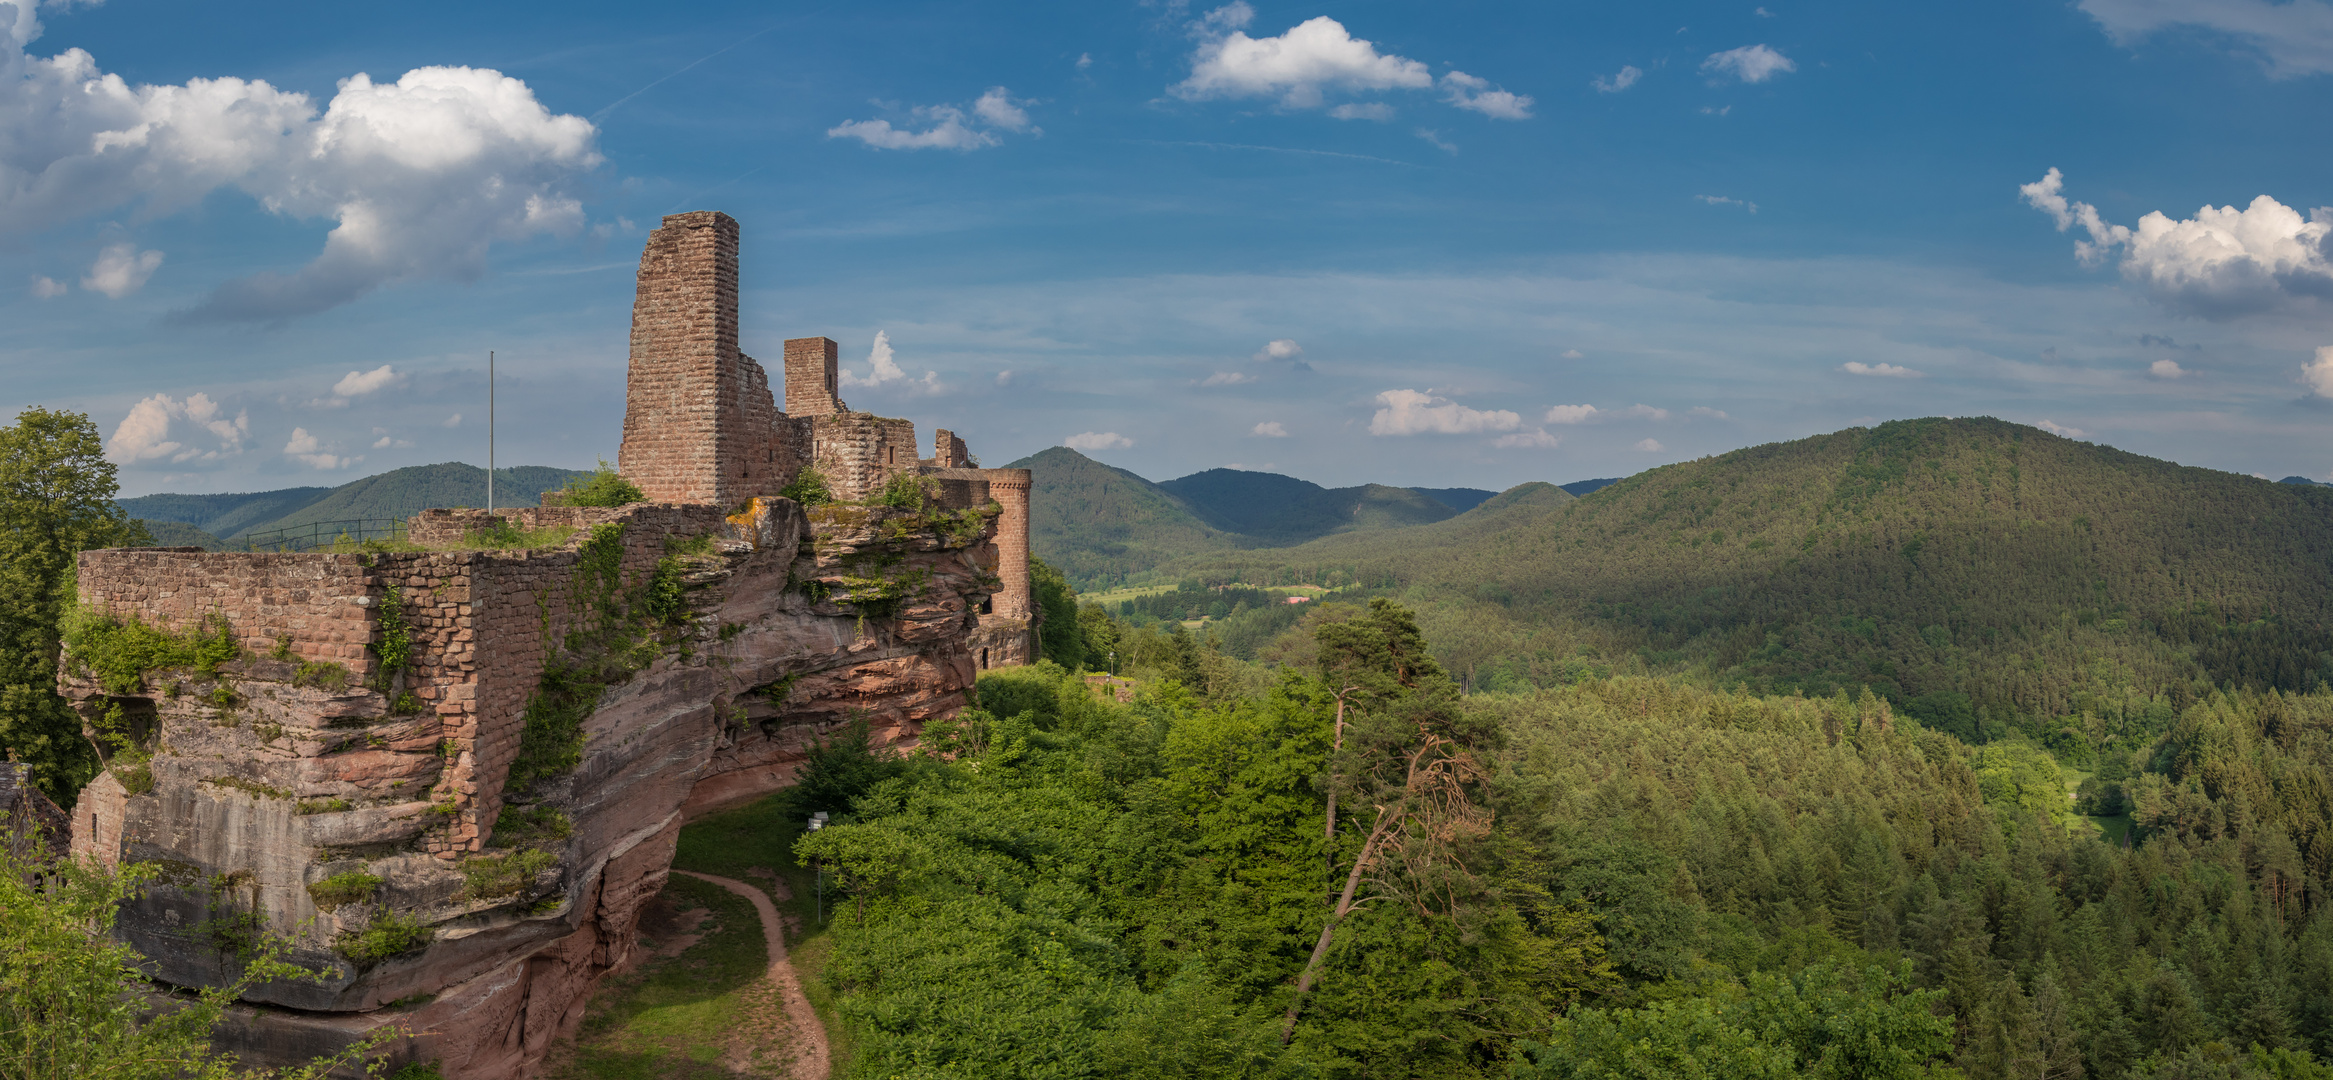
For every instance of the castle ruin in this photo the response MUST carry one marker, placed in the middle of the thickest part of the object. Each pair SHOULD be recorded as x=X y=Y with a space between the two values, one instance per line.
x=454 y=770
x=700 y=425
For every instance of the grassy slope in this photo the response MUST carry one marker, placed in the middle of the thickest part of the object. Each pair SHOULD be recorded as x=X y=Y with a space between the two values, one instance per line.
x=666 y=1020
x=2034 y=573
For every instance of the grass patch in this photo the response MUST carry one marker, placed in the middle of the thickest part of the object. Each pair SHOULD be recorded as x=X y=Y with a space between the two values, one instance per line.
x=761 y=835
x=671 y=1018
x=389 y=935
x=248 y=787
x=349 y=888
x=493 y=876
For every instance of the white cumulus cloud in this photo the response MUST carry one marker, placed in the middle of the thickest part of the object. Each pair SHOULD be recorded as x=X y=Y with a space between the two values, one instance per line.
x=360 y=383
x=945 y=127
x=2060 y=429
x=2167 y=369
x=1720 y=200
x=145 y=434
x=121 y=269
x=453 y=421
x=48 y=288
x=1572 y=354
x=1269 y=429
x=947 y=132
x=1708 y=413
x=2291 y=38
x=1620 y=80
x=2219 y=264
x=2318 y=373
x=1534 y=439
x=1280 y=349
x=311 y=451
x=1569 y=414
x=883 y=368
x=1650 y=446
x=1478 y=95
x=1750 y=63
x=1858 y=367
x=1227 y=378
x=1297 y=67
x=1091 y=441
x=1642 y=411
x=418 y=176
x=1375 y=110
x=1000 y=110
x=1409 y=412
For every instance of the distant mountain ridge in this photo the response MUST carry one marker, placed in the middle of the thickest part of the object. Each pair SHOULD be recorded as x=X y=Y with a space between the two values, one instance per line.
x=1100 y=525
x=398 y=493
x=1964 y=568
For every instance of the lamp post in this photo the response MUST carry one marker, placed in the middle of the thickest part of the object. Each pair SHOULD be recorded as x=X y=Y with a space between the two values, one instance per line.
x=817 y=822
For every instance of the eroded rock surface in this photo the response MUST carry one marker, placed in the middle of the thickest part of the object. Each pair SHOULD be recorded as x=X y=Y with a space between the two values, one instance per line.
x=380 y=774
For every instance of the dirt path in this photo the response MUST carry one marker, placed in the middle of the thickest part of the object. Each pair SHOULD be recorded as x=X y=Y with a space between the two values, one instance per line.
x=813 y=1059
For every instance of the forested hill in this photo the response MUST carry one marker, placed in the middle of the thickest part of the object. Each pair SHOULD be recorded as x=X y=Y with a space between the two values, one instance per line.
x=1928 y=559
x=1100 y=525
x=398 y=493
x=1274 y=508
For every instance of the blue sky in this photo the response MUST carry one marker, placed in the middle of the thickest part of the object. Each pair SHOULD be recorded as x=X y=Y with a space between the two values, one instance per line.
x=1440 y=245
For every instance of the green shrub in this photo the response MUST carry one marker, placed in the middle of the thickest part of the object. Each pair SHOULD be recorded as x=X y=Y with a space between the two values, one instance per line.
x=667 y=597
x=904 y=491
x=321 y=806
x=120 y=651
x=391 y=934
x=809 y=488
x=353 y=887
x=321 y=673
x=604 y=487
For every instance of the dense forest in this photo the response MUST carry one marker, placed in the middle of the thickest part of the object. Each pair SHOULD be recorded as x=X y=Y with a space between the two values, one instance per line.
x=1348 y=868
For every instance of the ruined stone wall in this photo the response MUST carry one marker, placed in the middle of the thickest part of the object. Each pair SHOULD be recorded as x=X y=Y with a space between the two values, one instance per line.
x=812 y=368
x=948 y=451
x=318 y=601
x=699 y=421
x=858 y=452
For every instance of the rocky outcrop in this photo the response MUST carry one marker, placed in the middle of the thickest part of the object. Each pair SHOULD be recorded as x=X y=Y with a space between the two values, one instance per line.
x=454 y=777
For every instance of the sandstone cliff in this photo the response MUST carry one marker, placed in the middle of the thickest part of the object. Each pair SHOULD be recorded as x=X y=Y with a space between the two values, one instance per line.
x=453 y=776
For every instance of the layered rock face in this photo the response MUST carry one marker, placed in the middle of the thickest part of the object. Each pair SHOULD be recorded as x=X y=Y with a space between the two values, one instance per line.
x=456 y=776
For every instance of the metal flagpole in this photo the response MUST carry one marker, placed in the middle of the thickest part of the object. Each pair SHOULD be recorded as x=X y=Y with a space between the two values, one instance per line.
x=490 y=431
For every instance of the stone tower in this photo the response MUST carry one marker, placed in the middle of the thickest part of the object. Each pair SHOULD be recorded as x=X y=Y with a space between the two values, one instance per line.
x=699 y=423
x=812 y=365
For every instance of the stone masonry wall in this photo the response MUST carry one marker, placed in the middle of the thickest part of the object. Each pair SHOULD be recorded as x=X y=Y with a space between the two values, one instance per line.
x=859 y=451
x=948 y=451
x=699 y=421
x=812 y=365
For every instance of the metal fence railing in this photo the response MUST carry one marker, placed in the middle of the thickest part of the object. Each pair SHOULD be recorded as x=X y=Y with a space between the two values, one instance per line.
x=317 y=534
